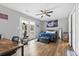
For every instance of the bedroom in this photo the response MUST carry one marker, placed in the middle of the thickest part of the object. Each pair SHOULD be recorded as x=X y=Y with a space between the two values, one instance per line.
x=27 y=23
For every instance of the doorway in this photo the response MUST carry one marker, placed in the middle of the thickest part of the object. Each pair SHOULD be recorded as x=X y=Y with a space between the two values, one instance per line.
x=27 y=29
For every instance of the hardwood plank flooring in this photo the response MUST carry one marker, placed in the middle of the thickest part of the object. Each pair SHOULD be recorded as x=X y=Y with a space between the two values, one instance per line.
x=35 y=48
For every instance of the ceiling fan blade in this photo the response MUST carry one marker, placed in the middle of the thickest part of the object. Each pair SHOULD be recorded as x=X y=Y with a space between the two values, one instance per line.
x=42 y=16
x=41 y=10
x=48 y=15
x=49 y=11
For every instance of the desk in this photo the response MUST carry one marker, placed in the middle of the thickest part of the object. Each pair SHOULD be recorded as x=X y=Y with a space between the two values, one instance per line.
x=6 y=46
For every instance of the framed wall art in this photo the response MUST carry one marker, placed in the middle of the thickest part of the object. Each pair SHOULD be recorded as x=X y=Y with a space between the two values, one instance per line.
x=52 y=23
x=3 y=16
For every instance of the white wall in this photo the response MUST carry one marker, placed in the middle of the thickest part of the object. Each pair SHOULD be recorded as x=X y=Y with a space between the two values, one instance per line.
x=76 y=27
x=70 y=21
x=8 y=27
x=62 y=23
x=73 y=30
x=11 y=27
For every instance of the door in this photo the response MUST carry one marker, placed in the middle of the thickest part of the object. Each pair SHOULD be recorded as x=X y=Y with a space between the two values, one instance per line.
x=25 y=28
x=32 y=30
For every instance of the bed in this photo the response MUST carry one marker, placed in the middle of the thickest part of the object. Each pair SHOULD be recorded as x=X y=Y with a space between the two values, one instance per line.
x=47 y=36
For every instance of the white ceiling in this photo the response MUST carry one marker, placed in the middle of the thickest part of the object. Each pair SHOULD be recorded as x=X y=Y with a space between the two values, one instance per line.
x=61 y=10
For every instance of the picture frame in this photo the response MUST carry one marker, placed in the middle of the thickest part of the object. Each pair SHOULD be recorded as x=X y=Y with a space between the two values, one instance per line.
x=52 y=23
x=3 y=16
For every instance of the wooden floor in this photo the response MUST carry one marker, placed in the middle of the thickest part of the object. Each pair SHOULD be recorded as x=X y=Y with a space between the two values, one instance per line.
x=35 y=48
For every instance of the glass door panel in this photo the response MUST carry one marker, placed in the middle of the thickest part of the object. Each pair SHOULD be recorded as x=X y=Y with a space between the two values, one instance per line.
x=32 y=30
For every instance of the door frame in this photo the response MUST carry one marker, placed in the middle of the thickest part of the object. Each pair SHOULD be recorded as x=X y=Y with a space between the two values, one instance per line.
x=73 y=31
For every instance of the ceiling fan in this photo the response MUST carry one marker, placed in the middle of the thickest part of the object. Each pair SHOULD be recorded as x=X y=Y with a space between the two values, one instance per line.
x=45 y=13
